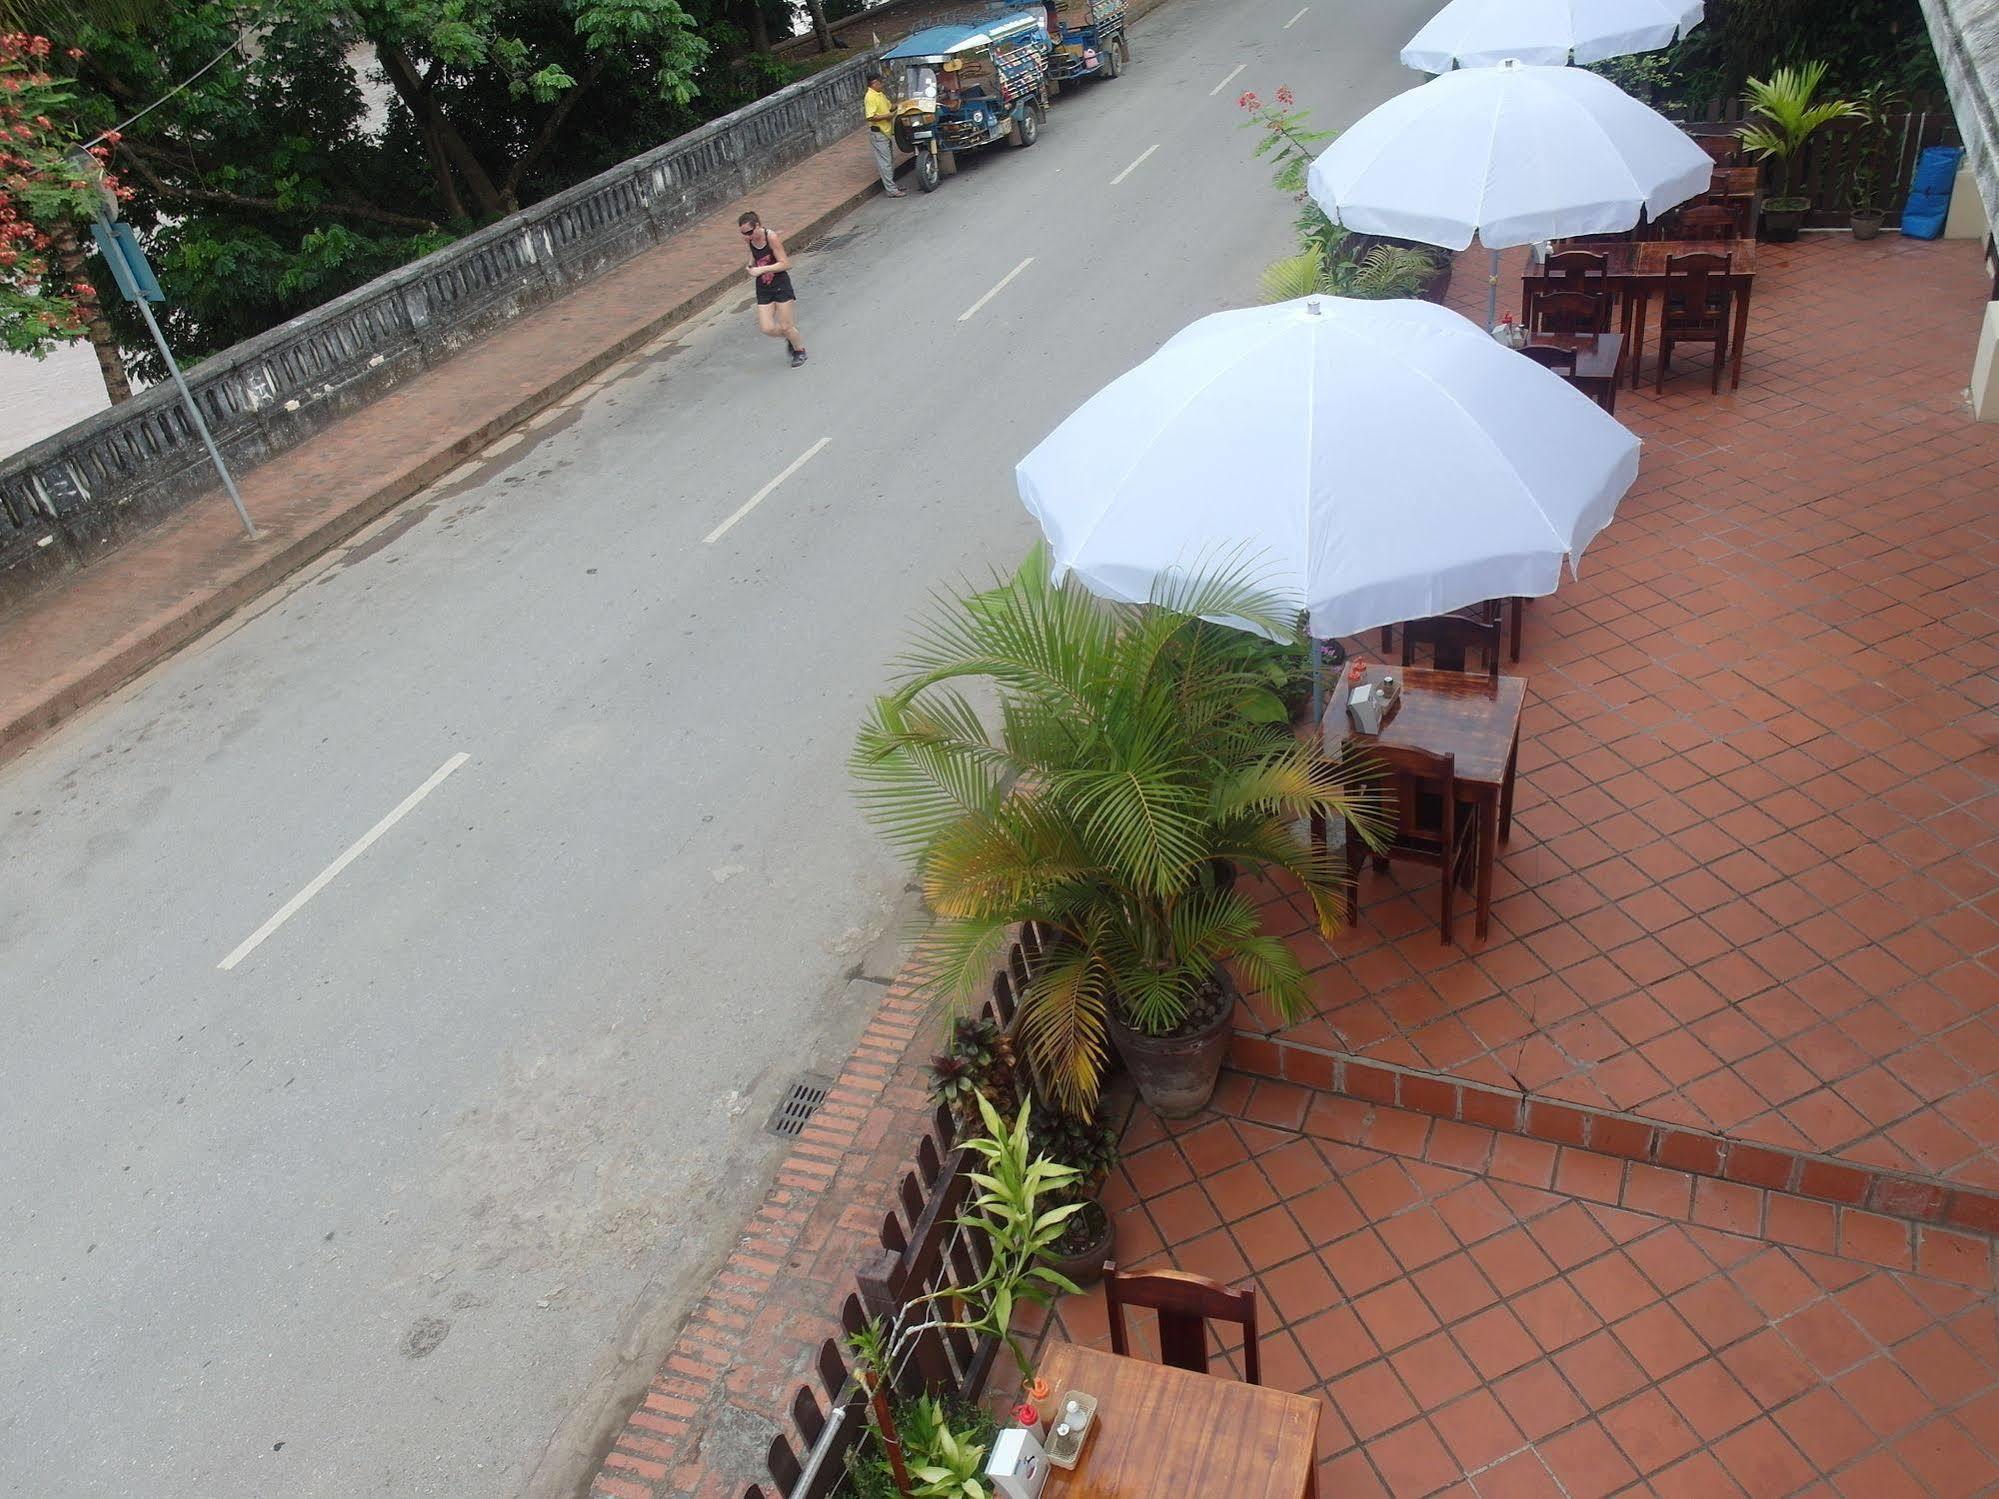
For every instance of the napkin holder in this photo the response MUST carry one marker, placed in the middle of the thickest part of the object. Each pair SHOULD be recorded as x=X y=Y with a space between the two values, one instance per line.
x=1018 y=1466
x=1372 y=704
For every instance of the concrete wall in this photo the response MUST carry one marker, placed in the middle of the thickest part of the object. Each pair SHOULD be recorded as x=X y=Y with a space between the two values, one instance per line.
x=69 y=496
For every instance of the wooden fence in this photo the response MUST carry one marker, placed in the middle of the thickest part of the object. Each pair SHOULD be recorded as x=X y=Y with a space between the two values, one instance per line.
x=920 y=1251
x=1824 y=172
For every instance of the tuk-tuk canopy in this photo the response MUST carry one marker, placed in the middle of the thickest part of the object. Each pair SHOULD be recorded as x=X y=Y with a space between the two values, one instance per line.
x=936 y=43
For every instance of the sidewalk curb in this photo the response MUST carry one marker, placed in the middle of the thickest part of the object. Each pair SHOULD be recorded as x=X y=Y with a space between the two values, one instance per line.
x=200 y=613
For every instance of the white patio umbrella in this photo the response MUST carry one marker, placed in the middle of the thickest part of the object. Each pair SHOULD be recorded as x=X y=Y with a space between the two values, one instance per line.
x=1382 y=461
x=1483 y=33
x=1512 y=154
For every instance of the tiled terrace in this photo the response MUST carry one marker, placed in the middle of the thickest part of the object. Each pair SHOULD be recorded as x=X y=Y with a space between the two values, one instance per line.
x=1484 y=1314
x=1752 y=892
x=1753 y=883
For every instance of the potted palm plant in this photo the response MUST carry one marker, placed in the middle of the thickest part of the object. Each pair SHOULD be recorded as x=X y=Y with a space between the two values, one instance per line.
x=1788 y=113
x=1873 y=107
x=1132 y=755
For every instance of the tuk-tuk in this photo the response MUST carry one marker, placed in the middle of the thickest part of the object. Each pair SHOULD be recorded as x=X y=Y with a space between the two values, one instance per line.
x=1089 y=39
x=965 y=86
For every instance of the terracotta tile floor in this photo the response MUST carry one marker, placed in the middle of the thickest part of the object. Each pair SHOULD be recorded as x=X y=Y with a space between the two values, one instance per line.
x=1753 y=883
x=1485 y=1315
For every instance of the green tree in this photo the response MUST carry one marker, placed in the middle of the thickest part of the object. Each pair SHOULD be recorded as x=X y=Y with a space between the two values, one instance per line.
x=49 y=192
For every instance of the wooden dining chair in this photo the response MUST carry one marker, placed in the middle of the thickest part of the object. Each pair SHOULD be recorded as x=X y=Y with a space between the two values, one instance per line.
x=1725 y=150
x=1708 y=221
x=1186 y=1304
x=1570 y=312
x=1695 y=303
x=1561 y=361
x=1428 y=824
x=1453 y=637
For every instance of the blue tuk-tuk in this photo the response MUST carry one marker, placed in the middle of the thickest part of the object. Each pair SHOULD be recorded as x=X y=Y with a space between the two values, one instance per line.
x=962 y=87
x=1089 y=39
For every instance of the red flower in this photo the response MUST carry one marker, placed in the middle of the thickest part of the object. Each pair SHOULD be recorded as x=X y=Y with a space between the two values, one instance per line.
x=1284 y=97
x=1250 y=101
x=1026 y=1415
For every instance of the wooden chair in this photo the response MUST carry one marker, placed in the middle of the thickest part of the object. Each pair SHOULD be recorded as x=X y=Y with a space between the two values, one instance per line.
x=1708 y=221
x=1429 y=825
x=1570 y=312
x=1561 y=361
x=1574 y=270
x=1186 y=1305
x=1452 y=638
x=1725 y=150
x=1694 y=308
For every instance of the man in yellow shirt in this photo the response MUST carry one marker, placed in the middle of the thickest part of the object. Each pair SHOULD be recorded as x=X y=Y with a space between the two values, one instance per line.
x=881 y=122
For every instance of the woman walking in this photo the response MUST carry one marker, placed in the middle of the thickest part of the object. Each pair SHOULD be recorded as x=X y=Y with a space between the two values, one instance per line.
x=771 y=266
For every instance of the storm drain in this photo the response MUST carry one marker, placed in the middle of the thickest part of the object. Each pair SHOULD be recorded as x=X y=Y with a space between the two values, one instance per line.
x=800 y=1102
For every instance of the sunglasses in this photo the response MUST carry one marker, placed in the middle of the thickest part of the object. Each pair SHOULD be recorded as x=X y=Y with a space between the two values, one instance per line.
x=749 y=229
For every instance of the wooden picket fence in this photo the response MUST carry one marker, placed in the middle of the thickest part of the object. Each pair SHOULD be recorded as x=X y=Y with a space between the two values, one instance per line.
x=1825 y=170
x=920 y=1251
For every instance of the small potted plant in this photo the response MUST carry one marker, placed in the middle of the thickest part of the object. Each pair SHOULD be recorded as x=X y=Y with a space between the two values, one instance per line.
x=1088 y=1238
x=1788 y=113
x=1873 y=107
x=979 y=1063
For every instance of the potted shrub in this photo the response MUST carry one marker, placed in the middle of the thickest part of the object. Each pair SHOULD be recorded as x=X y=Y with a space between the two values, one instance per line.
x=978 y=1063
x=1089 y=1238
x=1873 y=107
x=1131 y=750
x=1788 y=115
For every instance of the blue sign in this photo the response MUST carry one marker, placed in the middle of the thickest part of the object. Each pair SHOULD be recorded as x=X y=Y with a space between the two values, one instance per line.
x=127 y=261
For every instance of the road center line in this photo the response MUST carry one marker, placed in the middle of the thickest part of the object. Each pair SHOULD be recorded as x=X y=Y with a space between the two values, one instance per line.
x=1296 y=19
x=966 y=315
x=763 y=494
x=1136 y=164
x=1233 y=74
x=327 y=875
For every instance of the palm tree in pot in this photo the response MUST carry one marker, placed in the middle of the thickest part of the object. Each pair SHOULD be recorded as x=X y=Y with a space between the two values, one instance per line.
x=1786 y=119
x=1133 y=753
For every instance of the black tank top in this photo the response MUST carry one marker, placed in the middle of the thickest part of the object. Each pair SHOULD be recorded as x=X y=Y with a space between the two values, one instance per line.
x=777 y=280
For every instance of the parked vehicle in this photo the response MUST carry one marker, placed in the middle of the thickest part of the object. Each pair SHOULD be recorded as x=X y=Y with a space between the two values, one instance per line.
x=964 y=87
x=1089 y=39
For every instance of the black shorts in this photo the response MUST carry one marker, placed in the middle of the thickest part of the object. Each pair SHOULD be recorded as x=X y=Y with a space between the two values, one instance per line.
x=779 y=290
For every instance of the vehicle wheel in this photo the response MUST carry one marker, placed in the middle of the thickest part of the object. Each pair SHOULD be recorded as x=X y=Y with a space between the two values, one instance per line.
x=1112 y=63
x=1027 y=128
x=1123 y=52
x=926 y=171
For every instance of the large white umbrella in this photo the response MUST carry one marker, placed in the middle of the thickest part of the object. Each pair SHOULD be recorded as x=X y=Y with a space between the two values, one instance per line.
x=1382 y=461
x=1482 y=33
x=1512 y=154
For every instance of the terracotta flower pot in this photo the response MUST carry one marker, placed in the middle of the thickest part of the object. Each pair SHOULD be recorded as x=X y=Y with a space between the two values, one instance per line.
x=1086 y=1266
x=1866 y=223
x=1176 y=1074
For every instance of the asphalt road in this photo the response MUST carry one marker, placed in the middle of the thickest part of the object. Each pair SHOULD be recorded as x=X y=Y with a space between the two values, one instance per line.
x=405 y=1200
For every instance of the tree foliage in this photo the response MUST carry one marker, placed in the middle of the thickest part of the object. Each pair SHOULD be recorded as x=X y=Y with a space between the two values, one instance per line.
x=291 y=150
x=46 y=198
x=1862 y=42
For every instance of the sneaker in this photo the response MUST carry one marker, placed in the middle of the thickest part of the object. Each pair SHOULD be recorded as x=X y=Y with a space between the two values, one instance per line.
x=797 y=358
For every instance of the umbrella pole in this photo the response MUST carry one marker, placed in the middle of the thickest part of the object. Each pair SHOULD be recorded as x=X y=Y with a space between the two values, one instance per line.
x=1492 y=293
x=1318 y=684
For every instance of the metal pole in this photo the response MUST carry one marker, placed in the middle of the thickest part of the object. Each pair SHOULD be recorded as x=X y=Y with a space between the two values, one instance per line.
x=1492 y=293
x=187 y=397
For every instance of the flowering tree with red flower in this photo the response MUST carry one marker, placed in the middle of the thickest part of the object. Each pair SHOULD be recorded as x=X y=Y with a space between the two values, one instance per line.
x=48 y=195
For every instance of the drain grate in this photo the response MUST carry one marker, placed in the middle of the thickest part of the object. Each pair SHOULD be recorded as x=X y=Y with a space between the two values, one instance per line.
x=800 y=1102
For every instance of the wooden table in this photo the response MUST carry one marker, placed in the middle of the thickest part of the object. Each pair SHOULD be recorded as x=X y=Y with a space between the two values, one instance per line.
x=1465 y=715
x=1599 y=357
x=1636 y=270
x=1165 y=1432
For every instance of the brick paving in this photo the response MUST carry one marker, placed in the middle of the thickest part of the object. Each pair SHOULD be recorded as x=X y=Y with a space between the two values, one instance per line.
x=1483 y=1314
x=1753 y=883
